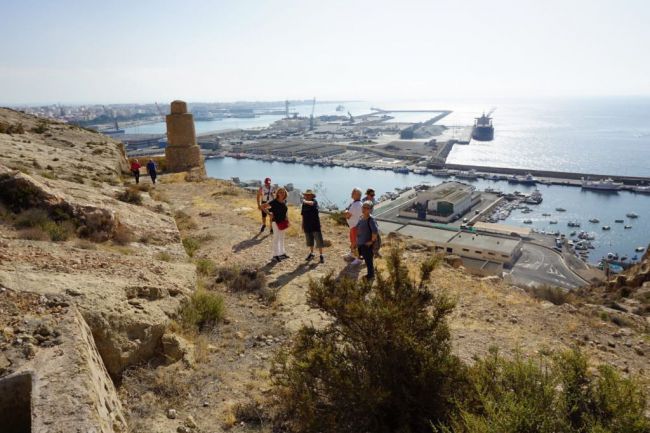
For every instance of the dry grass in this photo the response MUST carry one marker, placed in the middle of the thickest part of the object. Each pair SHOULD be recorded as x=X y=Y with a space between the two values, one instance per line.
x=184 y=221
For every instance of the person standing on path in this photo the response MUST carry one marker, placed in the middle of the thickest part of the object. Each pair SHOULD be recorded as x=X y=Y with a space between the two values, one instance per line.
x=352 y=214
x=265 y=194
x=367 y=232
x=135 y=170
x=370 y=196
x=311 y=224
x=151 y=169
x=277 y=209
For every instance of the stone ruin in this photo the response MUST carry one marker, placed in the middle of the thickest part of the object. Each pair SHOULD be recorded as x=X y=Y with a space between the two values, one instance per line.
x=182 y=152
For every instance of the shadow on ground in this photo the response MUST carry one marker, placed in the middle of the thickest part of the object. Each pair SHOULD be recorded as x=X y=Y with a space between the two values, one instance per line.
x=285 y=278
x=249 y=243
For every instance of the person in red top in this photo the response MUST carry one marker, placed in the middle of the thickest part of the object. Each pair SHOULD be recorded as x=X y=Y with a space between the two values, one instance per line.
x=135 y=170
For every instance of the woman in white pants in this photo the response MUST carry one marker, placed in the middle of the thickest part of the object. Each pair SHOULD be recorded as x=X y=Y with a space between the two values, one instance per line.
x=277 y=208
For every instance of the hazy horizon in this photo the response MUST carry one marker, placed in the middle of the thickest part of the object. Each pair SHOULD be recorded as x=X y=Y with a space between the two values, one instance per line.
x=75 y=52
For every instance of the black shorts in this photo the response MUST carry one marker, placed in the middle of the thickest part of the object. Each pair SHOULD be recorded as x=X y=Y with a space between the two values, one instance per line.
x=314 y=237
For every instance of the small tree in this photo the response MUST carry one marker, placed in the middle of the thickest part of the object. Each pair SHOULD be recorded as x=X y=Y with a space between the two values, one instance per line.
x=383 y=364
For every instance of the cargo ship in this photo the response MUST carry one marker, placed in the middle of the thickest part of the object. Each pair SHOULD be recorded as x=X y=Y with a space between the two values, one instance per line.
x=483 y=129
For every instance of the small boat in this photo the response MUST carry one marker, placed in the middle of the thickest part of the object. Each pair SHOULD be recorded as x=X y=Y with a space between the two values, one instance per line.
x=573 y=233
x=632 y=215
x=627 y=227
x=560 y=209
x=552 y=222
x=546 y=214
x=607 y=228
x=594 y=220
x=528 y=221
x=619 y=221
x=635 y=258
x=573 y=224
x=624 y=258
x=639 y=249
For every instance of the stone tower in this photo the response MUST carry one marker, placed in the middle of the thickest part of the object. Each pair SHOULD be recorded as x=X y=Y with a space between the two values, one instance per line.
x=182 y=153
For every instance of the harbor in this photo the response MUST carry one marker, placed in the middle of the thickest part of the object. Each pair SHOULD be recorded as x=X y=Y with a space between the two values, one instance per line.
x=334 y=183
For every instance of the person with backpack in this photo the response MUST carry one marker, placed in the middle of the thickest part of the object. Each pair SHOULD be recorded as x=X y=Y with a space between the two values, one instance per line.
x=277 y=209
x=352 y=214
x=367 y=235
x=265 y=194
x=311 y=224
x=151 y=169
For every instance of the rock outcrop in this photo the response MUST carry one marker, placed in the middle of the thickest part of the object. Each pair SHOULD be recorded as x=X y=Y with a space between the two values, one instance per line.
x=126 y=292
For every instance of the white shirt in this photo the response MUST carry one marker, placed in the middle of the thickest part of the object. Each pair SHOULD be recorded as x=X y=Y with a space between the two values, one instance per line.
x=355 y=209
x=267 y=193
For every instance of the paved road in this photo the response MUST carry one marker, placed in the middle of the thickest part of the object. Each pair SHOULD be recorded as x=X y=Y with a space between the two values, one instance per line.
x=539 y=265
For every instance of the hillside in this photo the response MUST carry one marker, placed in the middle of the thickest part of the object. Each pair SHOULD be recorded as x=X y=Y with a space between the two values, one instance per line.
x=123 y=271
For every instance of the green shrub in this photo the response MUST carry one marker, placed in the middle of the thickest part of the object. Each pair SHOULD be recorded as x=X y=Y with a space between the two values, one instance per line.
x=384 y=363
x=203 y=309
x=164 y=256
x=205 y=267
x=130 y=195
x=238 y=279
x=551 y=394
x=40 y=127
x=59 y=231
x=339 y=218
x=34 y=217
x=191 y=245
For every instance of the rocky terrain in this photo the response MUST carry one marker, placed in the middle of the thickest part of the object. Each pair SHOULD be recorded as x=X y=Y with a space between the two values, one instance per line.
x=123 y=274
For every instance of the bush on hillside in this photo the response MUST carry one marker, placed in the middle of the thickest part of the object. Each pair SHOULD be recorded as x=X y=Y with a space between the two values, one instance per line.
x=384 y=363
x=130 y=195
x=247 y=279
x=339 y=218
x=203 y=309
x=552 y=394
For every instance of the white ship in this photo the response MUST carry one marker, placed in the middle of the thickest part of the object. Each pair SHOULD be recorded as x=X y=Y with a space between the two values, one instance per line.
x=602 y=185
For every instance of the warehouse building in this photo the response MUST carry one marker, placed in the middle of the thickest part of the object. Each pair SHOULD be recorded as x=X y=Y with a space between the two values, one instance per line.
x=443 y=203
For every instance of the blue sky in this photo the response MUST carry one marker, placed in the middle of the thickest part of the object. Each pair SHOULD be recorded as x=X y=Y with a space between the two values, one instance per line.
x=141 y=51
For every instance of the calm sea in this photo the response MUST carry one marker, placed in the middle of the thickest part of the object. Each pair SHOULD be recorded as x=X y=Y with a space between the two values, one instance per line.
x=596 y=135
x=334 y=184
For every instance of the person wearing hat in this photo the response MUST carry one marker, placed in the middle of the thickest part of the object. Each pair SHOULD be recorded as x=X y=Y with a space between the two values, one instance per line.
x=311 y=224
x=265 y=194
x=367 y=234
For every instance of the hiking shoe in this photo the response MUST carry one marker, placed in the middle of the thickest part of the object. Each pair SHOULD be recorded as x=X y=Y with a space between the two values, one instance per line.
x=284 y=256
x=322 y=259
x=356 y=262
x=263 y=227
x=276 y=259
x=309 y=257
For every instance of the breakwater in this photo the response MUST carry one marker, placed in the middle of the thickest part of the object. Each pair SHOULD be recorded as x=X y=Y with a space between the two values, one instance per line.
x=554 y=177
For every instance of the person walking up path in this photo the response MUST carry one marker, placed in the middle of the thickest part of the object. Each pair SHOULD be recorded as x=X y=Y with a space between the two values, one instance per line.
x=264 y=195
x=352 y=214
x=367 y=232
x=277 y=209
x=311 y=225
x=151 y=169
x=135 y=170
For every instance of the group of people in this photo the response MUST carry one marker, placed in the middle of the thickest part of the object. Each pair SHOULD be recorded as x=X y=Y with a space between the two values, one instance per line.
x=363 y=229
x=151 y=170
